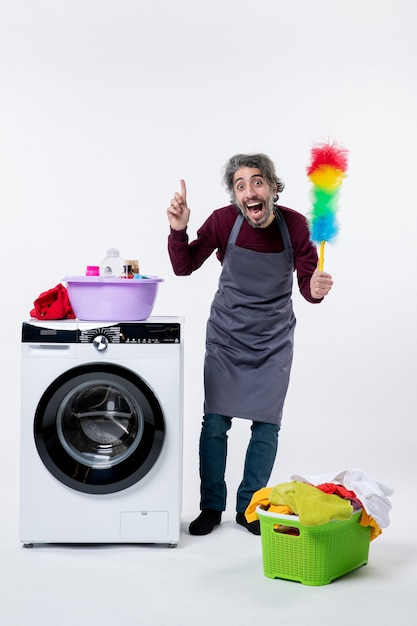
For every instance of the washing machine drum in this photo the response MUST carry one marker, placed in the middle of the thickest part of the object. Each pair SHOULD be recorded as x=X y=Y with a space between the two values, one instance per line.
x=99 y=428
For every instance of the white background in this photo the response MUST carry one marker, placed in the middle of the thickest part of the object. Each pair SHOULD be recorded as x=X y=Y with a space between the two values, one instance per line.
x=106 y=104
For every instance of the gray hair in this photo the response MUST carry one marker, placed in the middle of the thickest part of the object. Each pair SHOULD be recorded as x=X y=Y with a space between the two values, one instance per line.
x=259 y=161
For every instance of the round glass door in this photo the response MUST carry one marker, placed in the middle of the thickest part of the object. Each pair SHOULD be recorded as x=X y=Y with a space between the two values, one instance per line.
x=99 y=428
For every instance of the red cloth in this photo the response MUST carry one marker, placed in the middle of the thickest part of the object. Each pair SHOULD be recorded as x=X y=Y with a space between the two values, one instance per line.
x=339 y=490
x=53 y=304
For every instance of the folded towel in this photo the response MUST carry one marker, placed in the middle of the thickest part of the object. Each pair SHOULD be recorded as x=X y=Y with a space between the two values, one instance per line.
x=312 y=505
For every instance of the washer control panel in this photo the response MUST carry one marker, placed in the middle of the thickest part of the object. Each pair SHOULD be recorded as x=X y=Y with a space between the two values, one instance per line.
x=132 y=333
x=128 y=333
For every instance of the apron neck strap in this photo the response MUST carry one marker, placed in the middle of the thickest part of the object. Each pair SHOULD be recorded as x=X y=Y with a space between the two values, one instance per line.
x=236 y=228
x=286 y=239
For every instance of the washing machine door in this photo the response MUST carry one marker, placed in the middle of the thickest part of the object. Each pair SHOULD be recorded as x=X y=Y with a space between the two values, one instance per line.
x=99 y=428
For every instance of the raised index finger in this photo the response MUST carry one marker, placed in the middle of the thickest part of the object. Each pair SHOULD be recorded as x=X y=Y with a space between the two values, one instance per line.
x=183 y=191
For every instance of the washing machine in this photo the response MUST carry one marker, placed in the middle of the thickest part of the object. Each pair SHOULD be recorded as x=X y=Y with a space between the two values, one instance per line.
x=101 y=431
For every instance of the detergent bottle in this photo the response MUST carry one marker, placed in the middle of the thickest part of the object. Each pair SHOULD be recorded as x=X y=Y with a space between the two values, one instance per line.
x=112 y=264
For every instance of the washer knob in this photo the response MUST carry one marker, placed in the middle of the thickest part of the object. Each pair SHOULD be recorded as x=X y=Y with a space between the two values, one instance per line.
x=100 y=342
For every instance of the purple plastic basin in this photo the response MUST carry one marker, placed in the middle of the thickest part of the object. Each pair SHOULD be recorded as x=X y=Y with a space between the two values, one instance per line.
x=95 y=298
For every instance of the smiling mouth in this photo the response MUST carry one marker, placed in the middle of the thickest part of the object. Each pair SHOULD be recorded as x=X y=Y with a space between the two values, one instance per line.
x=255 y=209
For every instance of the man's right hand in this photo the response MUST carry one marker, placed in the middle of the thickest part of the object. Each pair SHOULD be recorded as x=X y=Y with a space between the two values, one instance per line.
x=178 y=211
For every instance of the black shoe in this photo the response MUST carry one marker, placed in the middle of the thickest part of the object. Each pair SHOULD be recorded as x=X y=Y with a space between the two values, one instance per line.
x=205 y=522
x=252 y=527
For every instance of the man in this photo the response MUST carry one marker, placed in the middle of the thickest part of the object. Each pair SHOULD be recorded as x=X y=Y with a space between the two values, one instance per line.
x=249 y=341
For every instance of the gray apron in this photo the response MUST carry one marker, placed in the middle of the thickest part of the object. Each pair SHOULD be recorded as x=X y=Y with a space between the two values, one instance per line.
x=250 y=332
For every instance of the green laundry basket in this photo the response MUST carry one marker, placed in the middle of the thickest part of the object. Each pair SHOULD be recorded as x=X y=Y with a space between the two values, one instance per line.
x=312 y=555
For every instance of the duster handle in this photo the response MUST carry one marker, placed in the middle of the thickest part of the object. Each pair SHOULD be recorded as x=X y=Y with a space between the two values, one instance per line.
x=321 y=256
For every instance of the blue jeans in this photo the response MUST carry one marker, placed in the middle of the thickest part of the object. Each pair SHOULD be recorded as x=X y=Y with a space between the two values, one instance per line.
x=259 y=461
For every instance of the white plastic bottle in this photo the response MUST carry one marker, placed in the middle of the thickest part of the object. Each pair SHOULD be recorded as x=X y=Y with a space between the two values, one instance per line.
x=112 y=265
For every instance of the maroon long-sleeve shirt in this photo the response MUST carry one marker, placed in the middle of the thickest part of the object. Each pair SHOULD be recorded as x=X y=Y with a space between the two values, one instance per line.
x=214 y=233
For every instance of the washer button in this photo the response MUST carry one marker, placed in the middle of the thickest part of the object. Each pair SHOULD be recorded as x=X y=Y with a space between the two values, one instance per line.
x=100 y=342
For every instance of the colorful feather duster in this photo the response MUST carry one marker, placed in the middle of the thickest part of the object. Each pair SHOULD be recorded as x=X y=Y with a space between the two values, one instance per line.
x=326 y=172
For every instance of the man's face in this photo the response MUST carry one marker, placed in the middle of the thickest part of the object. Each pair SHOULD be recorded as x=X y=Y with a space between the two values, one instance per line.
x=253 y=196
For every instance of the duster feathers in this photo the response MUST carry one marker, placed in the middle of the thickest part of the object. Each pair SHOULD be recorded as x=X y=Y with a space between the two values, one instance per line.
x=326 y=172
